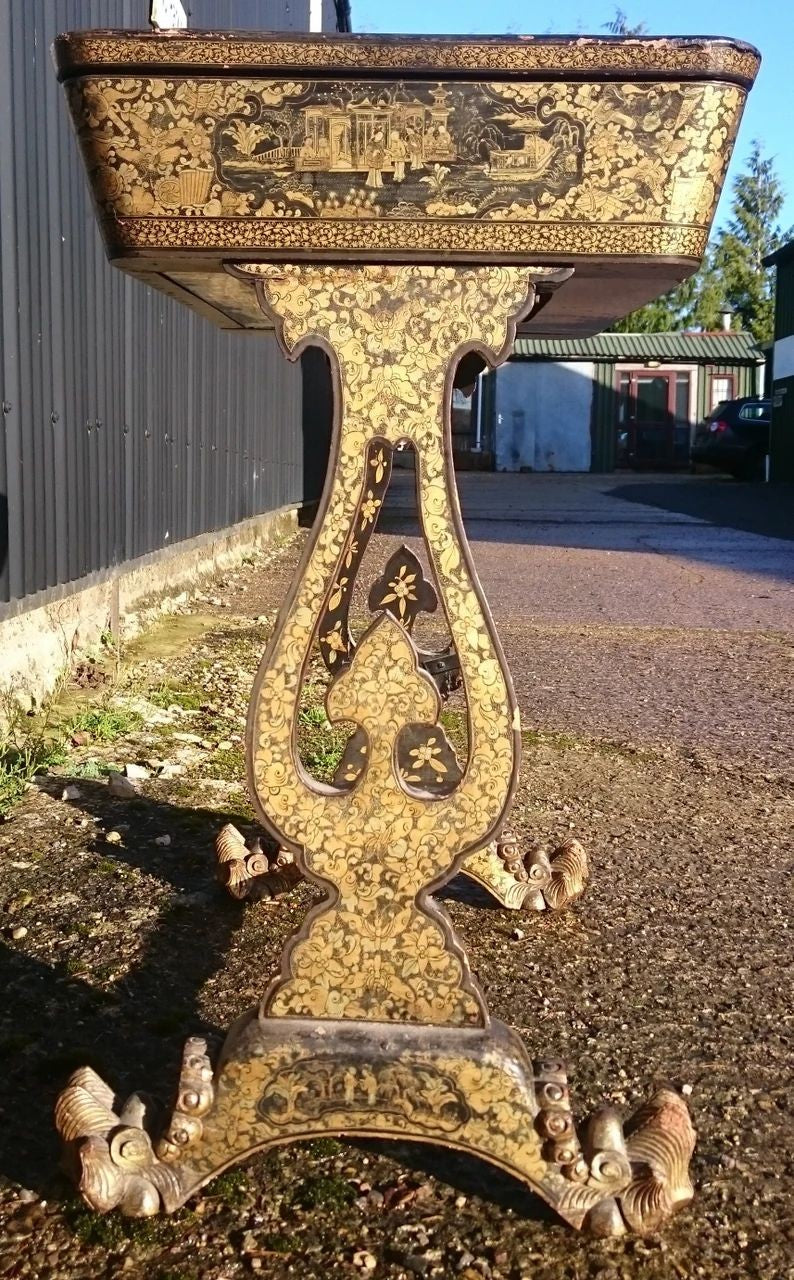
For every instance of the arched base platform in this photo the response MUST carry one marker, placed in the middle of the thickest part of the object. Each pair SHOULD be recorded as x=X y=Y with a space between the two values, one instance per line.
x=287 y=1079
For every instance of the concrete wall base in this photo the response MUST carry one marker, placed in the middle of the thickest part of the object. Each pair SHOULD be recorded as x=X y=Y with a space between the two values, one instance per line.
x=43 y=637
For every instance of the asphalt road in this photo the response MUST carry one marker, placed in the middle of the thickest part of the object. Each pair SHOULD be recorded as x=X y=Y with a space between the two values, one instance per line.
x=654 y=609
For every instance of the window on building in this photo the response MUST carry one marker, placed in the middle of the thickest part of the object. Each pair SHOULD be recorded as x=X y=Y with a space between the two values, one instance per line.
x=721 y=388
x=682 y=399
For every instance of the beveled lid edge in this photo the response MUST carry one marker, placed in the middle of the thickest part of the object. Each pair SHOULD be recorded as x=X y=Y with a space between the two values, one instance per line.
x=546 y=57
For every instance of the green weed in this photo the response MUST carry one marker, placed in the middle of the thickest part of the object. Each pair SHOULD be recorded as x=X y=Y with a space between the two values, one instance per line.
x=21 y=762
x=94 y=769
x=105 y=724
x=231 y=1187
x=325 y=1191
x=171 y=696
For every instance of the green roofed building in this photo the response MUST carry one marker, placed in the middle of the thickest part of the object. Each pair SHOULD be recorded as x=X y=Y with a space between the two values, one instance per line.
x=597 y=404
x=781 y=451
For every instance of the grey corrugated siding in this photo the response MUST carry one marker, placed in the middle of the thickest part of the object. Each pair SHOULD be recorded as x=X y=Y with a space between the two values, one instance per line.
x=727 y=347
x=128 y=423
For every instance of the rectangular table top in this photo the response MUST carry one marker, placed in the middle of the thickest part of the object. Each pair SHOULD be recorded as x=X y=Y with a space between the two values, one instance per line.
x=605 y=155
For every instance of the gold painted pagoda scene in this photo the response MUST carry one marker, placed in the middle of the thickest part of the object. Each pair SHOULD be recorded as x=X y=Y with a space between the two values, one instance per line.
x=407 y=150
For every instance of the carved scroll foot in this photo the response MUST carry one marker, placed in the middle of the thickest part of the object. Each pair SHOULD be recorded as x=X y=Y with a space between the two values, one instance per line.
x=558 y=879
x=109 y=1146
x=535 y=882
x=657 y=1143
x=247 y=871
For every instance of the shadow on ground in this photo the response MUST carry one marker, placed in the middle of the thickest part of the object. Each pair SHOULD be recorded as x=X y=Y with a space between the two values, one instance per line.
x=131 y=1030
x=762 y=509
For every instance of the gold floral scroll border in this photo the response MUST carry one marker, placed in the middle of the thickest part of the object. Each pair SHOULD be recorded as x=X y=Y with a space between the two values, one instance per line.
x=515 y=239
x=702 y=58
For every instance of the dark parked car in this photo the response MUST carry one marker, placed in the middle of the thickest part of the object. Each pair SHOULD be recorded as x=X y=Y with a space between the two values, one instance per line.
x=735 y=437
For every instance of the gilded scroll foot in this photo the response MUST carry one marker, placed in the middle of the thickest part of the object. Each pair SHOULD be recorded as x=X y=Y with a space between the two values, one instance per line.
x=247 y=872
x=535 y=882
x=532 y=883
x=559 y=878
x=657 y=1141
x=109 y=1146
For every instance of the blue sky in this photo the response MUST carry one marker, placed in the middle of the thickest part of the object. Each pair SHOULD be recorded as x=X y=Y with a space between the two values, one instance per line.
x=768 y=24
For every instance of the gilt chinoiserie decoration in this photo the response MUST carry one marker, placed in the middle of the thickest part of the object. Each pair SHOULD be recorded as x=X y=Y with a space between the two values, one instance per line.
x=606 y=155
x=405 y=205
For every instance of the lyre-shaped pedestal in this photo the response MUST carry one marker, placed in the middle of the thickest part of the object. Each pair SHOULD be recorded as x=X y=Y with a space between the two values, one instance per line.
x=375 y=1026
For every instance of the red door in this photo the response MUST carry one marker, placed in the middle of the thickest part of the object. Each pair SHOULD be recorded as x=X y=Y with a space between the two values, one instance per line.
x=653 y=419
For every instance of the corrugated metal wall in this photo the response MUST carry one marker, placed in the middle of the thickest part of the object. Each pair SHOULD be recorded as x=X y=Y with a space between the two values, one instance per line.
x=128 y=423
x=604 y=416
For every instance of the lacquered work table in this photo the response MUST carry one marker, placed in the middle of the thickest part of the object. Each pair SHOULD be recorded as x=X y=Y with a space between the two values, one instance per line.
x=404 y=204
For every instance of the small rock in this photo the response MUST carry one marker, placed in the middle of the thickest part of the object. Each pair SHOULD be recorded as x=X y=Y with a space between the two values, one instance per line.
x=226 y=745
x=113 y=837
x=120 y=786
x=465 y=1260
x=460 y=1201
x=416 y=1264
x=517 y=935
x=186 y=737
x=136 y=772
x=81 y=738
x=70 y=792
x=163 y=841
x=171 y=769
x=26 y=1196
x=364 y=1260
x=19 y=932
x=686 y=1090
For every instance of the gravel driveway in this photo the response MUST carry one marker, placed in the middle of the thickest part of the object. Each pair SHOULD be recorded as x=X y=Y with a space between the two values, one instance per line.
x=651 y=648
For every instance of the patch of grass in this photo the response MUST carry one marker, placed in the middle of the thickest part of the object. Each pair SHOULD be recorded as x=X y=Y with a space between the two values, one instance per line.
x=325 y=1191
x=94 y=769
x=106 y=1230
x=231 y=1187
x=569 y=742
x=112 y=1230
x=229 y=764
x=276 y=1242
x=314 y=715
x=172 y=696
x=19 y=763
x=324 y=1147
x=323 y=761
x=105 y=724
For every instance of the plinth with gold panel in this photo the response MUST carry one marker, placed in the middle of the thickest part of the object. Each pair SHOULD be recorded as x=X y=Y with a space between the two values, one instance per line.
x=405 y=205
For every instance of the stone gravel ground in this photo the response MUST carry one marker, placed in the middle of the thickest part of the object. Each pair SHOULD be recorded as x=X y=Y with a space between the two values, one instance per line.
x=116 y=944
